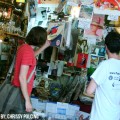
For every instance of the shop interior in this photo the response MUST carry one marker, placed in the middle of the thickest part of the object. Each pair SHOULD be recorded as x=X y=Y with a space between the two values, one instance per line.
x=77 y=30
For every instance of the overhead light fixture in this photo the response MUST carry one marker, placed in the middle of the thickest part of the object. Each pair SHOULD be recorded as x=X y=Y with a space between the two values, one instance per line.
x=1 y=41
x=1 y=37
x=5 y=13
x=75 y=11
x=21 y=1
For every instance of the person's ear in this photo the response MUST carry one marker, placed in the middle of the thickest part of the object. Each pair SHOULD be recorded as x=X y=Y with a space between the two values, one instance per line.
x=107 y=50
x=106 y=47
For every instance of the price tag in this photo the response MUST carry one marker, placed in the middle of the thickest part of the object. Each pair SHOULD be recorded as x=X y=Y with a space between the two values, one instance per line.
x=62 y=108
x=84 y=24
x=113 y=17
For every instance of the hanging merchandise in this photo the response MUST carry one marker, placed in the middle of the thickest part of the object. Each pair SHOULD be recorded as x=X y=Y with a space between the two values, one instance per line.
x=108 y=4
x=110 y=7
x=82 y=60
x=67 y=34
x=96 y=27
x=85 y=16
x=32 y=8
x=55 y=91
x=48 y=1
x=60 y=68
x=60 y=6
x=82 y=46
x=73 y=2
x=86 y=2
x=19 y=8
x=55 y=33
x=97 y=55
x=42 y=89
x=69 y=89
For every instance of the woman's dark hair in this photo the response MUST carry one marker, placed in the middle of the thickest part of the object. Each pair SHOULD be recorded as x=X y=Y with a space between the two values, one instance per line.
x=112 y=41
x=37 y=36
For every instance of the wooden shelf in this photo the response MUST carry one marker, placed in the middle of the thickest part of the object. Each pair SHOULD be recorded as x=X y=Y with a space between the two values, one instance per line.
x=7 y=3
x=67 y=74
x=14 y=35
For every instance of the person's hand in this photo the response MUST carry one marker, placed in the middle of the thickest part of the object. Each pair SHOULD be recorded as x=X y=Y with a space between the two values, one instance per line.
x=81 y=117
x=47 y=43
x=28 y=106
x=43 y=47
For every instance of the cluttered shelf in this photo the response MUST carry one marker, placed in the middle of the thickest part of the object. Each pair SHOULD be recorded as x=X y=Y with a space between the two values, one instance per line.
x=6 y=3
x=14 y=35
x=58 y=110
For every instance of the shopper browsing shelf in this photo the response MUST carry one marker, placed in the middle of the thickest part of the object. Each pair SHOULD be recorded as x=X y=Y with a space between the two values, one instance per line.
x=105 y=82
x=26 y=62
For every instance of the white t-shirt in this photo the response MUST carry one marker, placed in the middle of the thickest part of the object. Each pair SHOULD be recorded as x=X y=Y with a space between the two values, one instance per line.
x=106 y=104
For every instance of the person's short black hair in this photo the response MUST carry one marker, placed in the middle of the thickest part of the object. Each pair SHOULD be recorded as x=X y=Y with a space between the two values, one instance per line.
x=112 y=41
x=37 y=36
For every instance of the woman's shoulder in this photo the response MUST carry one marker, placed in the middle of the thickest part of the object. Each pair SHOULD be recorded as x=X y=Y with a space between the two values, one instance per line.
x=25 y=48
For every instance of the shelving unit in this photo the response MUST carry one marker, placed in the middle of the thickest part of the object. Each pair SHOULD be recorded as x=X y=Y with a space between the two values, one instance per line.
x=14 y=35
x=6 y=3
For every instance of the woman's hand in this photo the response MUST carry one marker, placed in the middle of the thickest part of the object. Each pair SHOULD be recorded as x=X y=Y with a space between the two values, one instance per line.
x=28 y=106
x=47 y=43
x=43 y=47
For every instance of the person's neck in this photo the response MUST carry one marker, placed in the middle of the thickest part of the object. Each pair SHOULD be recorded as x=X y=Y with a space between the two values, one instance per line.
x=114 y=55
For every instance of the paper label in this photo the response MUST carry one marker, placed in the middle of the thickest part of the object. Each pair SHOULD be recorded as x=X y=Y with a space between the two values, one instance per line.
x=62 y=108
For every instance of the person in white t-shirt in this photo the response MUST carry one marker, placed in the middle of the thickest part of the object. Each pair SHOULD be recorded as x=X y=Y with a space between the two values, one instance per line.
x=105 y=82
